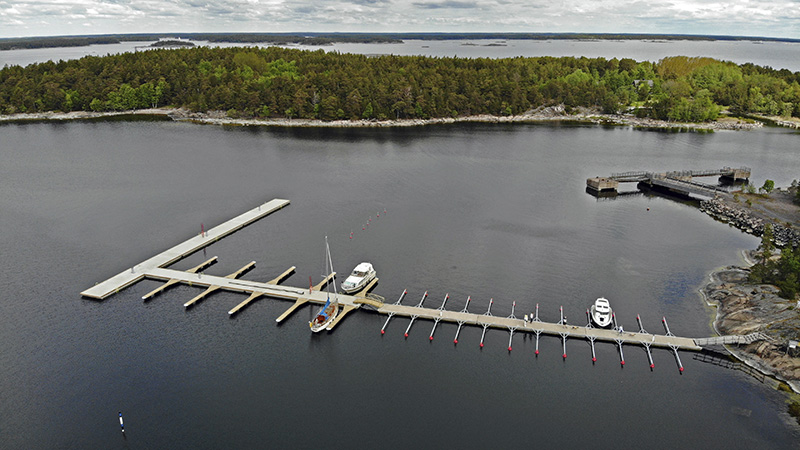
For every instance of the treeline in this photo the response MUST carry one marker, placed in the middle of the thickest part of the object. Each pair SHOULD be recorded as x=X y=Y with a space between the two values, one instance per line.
x=312 y=38
x=56 y=41
x=783 y=272
x=238 y=38
x=278 y=82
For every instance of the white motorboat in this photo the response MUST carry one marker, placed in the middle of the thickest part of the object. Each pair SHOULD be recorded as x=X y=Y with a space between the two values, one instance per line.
x=601 y=313
x=329 y=311
x=359 y=278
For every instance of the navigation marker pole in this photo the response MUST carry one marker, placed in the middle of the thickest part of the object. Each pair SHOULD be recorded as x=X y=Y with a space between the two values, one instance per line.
x=461 y=322
x=121 y=424
x=437 y=319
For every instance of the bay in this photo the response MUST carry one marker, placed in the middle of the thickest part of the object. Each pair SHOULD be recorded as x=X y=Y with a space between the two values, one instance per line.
x=480 y=210
x=778 y=55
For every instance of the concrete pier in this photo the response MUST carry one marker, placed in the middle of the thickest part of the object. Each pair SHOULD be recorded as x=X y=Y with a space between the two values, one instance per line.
x=681 y=181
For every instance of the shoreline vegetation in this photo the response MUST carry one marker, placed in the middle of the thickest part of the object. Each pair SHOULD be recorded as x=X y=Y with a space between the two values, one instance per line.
x=312 y=38
x=270 y=84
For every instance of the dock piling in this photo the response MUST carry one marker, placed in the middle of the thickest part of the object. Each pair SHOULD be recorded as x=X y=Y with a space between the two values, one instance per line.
x=641 y=328
x=486 y=325
x=511 y=329
x=383 y=330
x=649 y=355
x=589 y=336
x=666 y=326
x=677 y=358
x=437 y=319
x=461 y=322
x=419 y=305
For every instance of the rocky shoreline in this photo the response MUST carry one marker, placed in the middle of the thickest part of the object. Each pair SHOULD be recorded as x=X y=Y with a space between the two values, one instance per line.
x=749 y=221
x=543 y=114
x=744 y=308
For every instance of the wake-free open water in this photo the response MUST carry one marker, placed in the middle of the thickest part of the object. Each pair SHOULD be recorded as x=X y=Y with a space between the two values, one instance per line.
x=481 y=210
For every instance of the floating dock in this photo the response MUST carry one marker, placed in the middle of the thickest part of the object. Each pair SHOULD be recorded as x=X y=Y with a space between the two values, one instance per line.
x=154 y=268
x=180 y=251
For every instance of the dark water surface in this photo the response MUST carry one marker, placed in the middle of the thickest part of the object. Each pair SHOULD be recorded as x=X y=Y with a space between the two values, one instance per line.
x=482 y=210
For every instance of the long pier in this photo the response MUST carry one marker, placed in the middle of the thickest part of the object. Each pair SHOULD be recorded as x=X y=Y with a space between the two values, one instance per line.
x=182 y=250
x=153 y=268
x=681 y=181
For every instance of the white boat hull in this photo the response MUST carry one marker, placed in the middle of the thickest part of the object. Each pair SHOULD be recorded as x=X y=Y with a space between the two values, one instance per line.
x=602 y=320
x=361 y=284
x=317 y=326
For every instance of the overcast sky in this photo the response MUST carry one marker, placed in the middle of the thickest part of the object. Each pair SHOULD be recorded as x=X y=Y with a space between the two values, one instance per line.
x=775 y=18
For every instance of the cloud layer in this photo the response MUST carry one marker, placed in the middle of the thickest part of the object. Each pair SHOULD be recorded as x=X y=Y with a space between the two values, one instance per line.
x=778 y=18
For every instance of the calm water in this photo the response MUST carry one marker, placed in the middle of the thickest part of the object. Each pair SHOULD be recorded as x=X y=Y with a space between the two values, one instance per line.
x=774 y=54
x=480 y=210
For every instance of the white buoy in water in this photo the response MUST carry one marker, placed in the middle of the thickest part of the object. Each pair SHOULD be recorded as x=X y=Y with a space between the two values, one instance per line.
x=121 y=424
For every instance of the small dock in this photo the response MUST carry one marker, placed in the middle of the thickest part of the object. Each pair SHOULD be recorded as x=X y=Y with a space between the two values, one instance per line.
x=681 y=181
x=154 y=268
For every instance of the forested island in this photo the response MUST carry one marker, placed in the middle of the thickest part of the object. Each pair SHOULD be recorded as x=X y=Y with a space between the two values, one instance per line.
x=255 y=82
x=312 y=38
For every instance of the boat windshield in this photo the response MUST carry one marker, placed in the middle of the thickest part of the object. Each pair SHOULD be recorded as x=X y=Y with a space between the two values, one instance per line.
x=356 y=273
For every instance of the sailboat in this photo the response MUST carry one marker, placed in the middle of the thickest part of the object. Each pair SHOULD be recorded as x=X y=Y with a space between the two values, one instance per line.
x=329 y=311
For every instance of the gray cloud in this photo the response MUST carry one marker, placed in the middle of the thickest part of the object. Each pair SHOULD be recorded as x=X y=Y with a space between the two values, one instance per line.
x=751 y=17
x=446 y=4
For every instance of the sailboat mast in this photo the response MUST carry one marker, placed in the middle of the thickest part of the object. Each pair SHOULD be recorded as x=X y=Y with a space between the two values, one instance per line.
x=329 y=263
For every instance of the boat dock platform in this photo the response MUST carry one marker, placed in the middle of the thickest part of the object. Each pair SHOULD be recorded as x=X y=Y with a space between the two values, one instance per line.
x=182 y=250
x=680 y=181
x=154 y=268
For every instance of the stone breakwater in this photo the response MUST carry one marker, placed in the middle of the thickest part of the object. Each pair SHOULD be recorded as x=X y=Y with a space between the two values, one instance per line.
x=749 y=222
x=744 y=308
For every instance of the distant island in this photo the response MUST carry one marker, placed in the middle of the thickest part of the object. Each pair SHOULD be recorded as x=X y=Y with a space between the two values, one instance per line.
x=172 y=42
x=274 y=83
x=312 y=38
